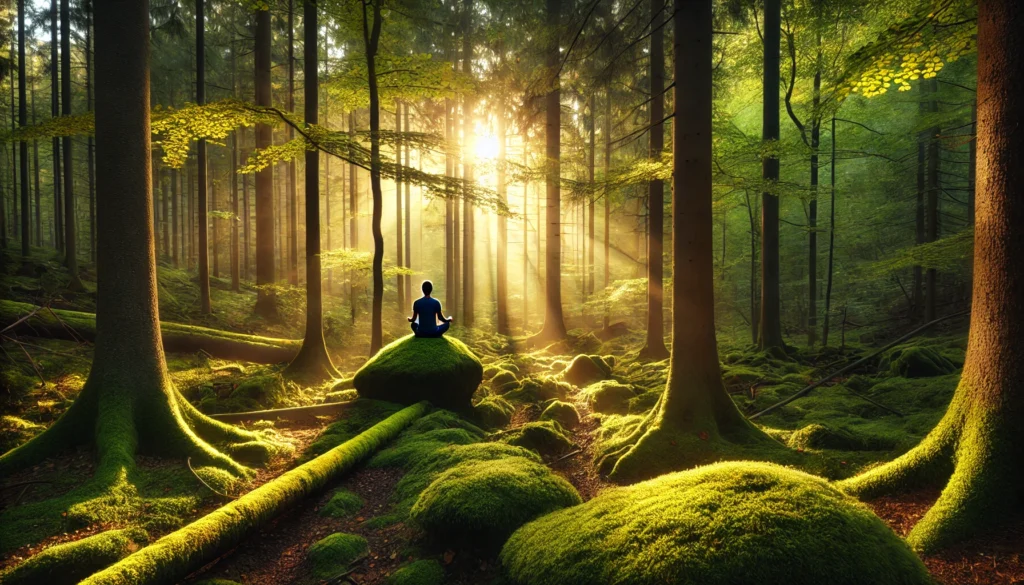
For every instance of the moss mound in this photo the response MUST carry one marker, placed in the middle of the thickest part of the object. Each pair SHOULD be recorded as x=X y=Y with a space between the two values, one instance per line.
x=538 y=390
x=343 y=503
x=503 y=380
x=493 y=412
x=427 y=469
x=71 y=562
x=331 y=556
x=819 y=436
x=546 y=437
x=916 y=362
x=723 y=524
x=609 y=397
x=586 y=369
x=441 y=370
x=480 y=503
x=562 y=413
x=418 y=573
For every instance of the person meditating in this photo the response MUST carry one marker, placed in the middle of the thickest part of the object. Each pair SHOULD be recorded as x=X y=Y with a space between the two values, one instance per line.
x=426 y=314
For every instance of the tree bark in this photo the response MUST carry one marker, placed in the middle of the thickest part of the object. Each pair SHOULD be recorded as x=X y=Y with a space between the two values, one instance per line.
x=266 y=303
x=26 y=211
x=468 y=154
x=353 y=191
x=932 y=211
x=399 y=249
x=371 y=38
x=770 y=335
x=502 y=288
x=293 y=197
x=202 y=203
x=70 y=229
x=58 y=207
x=607 y=194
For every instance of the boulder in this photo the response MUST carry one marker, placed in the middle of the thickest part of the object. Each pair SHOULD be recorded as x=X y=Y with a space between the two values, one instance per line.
x=442 y=370
x=586 y=369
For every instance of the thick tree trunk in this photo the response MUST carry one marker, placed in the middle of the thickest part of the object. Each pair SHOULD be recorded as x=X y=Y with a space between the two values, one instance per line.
x=654 y=346
x=70 y=229
x=554 y=324
x=977 y=445
x=770 y=335
x=266 y=303
x=695 y=421
x=202 y=203
x=371 y=37
x=90 y=152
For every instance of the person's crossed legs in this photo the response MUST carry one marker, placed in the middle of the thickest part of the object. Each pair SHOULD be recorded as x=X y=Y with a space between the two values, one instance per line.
x=441 y=329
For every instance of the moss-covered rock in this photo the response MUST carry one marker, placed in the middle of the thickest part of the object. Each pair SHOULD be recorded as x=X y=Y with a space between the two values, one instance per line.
x=722 y=524
x=503 y=379
x=331 y=556
x=442 y=370
x=480 y=503
x=532 y=390
x=819 y=436
x=562 y=413
x=71 y=562
x=493 y=412
x=586 y=369
x=546 y=437
x=425 y=470
x=342 y=504
x=609 y=397
x=915 y=361
x=644 y=402
x=423 y=572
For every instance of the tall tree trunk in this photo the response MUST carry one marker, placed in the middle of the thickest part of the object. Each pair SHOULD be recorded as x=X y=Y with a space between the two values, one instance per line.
x=293 y=197
x=468 y=154
x=26 y=210
x=235 y=268
x=165 y=212
x=246 y=220
x=371 y=38
x=174 y=217
x=917 y=295
x=831 y=236
x=654 y=347
x=312 y=362
x=266 y=303
x=770 y=337
x=554 y=324
x=607 y=197
x=932 y=212
x=35 y=168
x=977 y=443
x=353 y=191
x=590 y=200
x=90 y=152
x=526 y=231
x=449 y=241
x=502 y=292
x=202 y=203
x=215 y=229
x=408 y=215
x=58 y=206
x=695 y=421
x=399 y=249
x=70 y=229
x=812 y=208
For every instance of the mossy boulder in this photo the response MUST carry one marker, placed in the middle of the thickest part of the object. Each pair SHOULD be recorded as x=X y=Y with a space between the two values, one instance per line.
x=546 y=437
x=343 y=503
x=916 y=362
x=609 y=397
x=493 y=412
x=562 y=413
x=586 y=369
x=424 y=471
x=503 y=380
x=69 y=563
x=331 y=556
x=722 y=524
x=480 y=503
x=819 y=436
x=538 y=390
x=423 y=572
x=442 y=370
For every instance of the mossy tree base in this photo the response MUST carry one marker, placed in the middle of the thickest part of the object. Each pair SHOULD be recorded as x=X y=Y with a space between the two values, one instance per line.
x=312 y=364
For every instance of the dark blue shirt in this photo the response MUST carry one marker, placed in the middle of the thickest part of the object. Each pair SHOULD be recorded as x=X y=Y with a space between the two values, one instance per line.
x=429 y=311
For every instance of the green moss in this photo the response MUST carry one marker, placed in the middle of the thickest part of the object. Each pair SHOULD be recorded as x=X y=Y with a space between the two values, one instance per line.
x=424 y=471
x=218 y=479
x=256 y=453
x=341 y=396
x=502 y=379
x=562 y=413
x=609 y=397
x=818 y=436
x=342 y=504
x=480 y=503
x=14 y=431
x=916 y=362
x=332 y=556
x=493 y=412
x=443 y=371
x=644 y=402
x=721 y=524
x=423 y=572
x=361 y=415
x=545 y=437
x=586 y=369
x=532 y=390
x=71 y=562
x=432 y=432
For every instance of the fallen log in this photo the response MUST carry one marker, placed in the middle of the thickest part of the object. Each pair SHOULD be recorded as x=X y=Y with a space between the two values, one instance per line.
x=295 y=414
x=175 y=556
x=177 y=338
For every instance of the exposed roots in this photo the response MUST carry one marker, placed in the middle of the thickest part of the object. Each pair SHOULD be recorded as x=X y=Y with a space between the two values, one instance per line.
x=312 y=364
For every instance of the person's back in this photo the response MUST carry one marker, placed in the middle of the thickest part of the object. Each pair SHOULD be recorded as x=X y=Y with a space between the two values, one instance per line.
x=426 y=312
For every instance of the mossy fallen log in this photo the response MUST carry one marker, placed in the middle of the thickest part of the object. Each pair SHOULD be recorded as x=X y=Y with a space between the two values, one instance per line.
x=175 y=556
x=177 y=338
x=294 y=414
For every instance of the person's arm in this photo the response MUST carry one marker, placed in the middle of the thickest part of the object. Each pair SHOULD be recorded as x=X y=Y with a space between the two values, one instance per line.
x=413 y=318
x=440 y=313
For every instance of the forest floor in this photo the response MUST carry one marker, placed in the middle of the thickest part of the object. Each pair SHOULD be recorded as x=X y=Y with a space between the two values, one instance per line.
x=47 y=376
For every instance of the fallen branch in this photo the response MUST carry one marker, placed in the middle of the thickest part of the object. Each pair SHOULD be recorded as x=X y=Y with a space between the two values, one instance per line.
x=172 y=558
x=298 y=413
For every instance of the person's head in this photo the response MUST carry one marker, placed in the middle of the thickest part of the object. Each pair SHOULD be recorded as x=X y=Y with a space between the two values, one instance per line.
x=427 y=287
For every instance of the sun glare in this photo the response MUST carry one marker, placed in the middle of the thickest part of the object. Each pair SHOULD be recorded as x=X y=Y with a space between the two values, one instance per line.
x=486 y=147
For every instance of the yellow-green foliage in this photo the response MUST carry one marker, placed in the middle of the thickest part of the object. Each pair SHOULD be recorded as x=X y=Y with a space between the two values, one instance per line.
x=562 y=413
x=586 y=369
x=493 y=412
x=174 y=556
x=331 y=556
x=423 y=572
x=15 y=430
x=480 y=503
x=723 y=524
x=343 y=503
x=442 y=370
x=609 y=397
x=341 y=395
x=217 y=479
x=546 y=437
x=71 y=562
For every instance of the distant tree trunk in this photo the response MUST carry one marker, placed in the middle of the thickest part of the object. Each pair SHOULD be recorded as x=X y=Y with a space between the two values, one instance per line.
x=831 y=236
x=70 y=230
x=502 y=300
x=215 y=229
x=408 y=217
x=755 y=294
x=293 y=197
x=165 y=228
x=695 y=421
x=235 y=268
x=469 y=225
x=932 y=212
x=917 y=295
x=526 y=231
x=399 y=248
x=590 y=201
x=246 y=218
x=353 y=191
x=654 y=346
x=35 y=168
x=771 y=322
x=90 y=147
x=26 y=211
x=174 y=217
x=266 y=304
x=554 y=324
x=450 y=295
x=202 y=203
x=312 y=363
x=371 y=37
x=976 y=445
x=812 y=213
x=58 y=206
x=607 y=195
